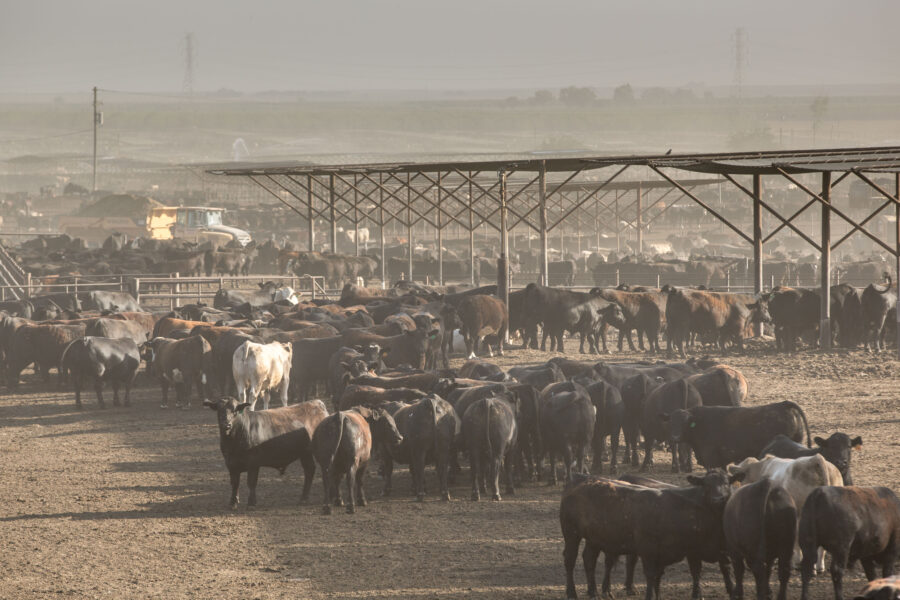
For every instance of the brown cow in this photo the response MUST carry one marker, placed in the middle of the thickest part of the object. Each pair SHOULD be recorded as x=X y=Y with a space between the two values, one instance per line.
x=167 y=325
x=643 y=311
x=482 y=315
x=720 y=386
x=179 y=363
x=721 y=314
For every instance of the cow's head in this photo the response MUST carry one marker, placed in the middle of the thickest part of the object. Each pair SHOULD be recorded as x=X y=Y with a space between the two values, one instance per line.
x=227 y=409
x=355 y=368
x=613 y=315
x=759 y=311
x=837 y=450
x=748 y=469
x=716 y=485
x=681 y=424
x=384 y=429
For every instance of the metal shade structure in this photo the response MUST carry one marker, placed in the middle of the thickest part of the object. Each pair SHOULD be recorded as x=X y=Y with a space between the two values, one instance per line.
x=544 y=193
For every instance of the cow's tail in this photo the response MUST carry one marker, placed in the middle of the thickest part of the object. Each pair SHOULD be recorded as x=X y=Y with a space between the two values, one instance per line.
x=767 y=486
x=487 y=427
x=341 y=417
x=805 y=423
x=432 y=405
x=62 y=362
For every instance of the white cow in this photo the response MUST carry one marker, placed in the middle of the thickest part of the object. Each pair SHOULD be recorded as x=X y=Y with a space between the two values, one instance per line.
x=799 y=476
x=262 y=368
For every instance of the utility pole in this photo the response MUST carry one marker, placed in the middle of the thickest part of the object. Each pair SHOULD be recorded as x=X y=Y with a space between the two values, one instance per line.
x=98 y=120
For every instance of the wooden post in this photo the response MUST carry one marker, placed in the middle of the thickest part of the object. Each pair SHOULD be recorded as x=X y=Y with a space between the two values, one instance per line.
x=825 y=311
x=757 y=242
x=542 y=198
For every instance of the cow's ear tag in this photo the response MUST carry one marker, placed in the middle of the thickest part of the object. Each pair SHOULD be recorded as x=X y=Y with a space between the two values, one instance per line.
x=694 y=424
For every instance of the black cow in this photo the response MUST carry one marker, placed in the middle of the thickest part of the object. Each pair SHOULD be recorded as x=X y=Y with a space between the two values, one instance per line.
x=634 y=390
x=540 y=376
x=661 y=526
x=101 y=359
x=17 y=308
x=852 y=523
x=219 y=368
x=490 y=431
x=720 y=435
x=256 y=298
x=266 y=438
x=567 y=428
x=610 y=415
x=836 y=450
x=660 y=403
x=429 y=429
x=877 y=302
x=760 y=523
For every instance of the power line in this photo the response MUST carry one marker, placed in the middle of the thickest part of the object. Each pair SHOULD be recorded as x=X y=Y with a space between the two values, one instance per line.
x=43 y=137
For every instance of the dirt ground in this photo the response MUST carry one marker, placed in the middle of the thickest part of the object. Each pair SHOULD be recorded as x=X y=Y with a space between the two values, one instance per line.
x=132 y=503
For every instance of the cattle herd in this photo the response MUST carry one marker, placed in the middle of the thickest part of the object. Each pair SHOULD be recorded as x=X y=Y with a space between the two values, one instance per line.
x=382 y=359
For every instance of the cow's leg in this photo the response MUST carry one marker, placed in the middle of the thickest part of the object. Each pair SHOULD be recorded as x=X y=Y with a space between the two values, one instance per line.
x=351 y=489
x=128 y=384
x=495 y=463
x=76 y=380
x=613 y=451
x=784 y=573
x=326 y=487
x=648 y=453
x=508 y=473
x=696 y=566
x=235 y=484
x=474 y=470
x=738 y=562
x=653 y=575
x=252 y=478
x=544 y=335
x=630 y=564
x=560 y=344
x=442 y=465
x=589 y=558
x=309 y=472
x=725 y=570
x=360 y=492
x=609 y=563
x=418 y=470
x=551 y=458
x=820 y=560
x=115 y=387
x=570 y=556
x=388 y=467
x=165 y=393
x=838 y=564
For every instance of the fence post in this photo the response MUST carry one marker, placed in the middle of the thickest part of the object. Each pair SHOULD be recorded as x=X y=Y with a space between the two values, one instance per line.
x=76 y=286
x=657 y=280
x=176 y=291
x=727 y=281
x=617 y=278
x=312 y=286
x=28 y=285
x=136 y=283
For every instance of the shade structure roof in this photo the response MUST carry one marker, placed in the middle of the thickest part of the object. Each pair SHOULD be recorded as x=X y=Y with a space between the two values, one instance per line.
x=869 y=159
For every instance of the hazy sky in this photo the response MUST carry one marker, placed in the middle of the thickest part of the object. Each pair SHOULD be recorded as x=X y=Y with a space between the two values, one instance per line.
x=71 y=45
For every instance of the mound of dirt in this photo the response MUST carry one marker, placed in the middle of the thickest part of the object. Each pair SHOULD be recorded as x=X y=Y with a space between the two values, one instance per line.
x=120 y=205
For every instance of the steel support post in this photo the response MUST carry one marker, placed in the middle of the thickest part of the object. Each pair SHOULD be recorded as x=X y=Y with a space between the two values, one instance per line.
x=757 y=242
x=897 y=248
x=356 y=212
x=618 y=227
x=440 y=231
x=503 y=263
x=542 y=198
x=310 y=217
x=409 y=229
x=638 y=223
x=825 y=310
x=381 y=224
x=332 y=215
x=471 y=235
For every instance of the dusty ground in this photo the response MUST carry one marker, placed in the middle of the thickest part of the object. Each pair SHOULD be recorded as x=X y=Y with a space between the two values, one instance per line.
x=131 y=503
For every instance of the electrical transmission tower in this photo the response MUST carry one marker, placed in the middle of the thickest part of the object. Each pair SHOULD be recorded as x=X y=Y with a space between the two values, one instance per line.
x=741 y=60
x=189 y=59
